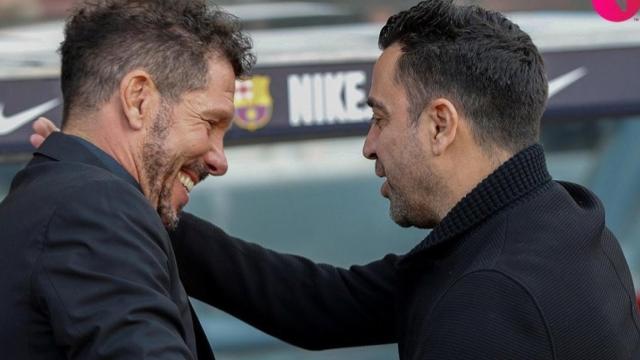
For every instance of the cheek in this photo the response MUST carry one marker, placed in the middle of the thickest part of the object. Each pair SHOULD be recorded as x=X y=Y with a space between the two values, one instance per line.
x=399 y=155
x=389 y=147
x=196 y=143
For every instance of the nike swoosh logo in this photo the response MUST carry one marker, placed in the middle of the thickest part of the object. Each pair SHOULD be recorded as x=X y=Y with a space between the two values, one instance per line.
x=562 y=82
x=13 y=122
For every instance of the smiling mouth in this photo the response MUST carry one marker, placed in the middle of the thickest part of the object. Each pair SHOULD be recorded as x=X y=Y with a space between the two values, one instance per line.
x=186 y=181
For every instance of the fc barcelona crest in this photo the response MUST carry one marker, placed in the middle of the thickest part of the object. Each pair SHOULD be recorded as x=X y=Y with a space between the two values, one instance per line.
x=254 y=105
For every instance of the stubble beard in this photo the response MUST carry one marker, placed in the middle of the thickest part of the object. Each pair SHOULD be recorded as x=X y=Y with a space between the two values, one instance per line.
x=417 y=203
x=399 y=210
x=158 y=166
x=414 y=207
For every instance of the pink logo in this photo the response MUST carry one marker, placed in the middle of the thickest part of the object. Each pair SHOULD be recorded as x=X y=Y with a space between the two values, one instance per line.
x=610 y=10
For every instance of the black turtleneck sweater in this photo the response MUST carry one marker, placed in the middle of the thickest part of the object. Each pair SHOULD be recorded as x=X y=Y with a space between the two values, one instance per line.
x=522 y=267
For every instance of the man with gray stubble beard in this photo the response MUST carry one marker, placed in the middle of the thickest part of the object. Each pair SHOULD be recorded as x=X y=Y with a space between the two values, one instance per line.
x=88 y=267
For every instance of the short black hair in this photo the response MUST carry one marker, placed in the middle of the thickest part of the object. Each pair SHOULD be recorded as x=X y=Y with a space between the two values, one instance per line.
x=173 y=40
x=483 y=62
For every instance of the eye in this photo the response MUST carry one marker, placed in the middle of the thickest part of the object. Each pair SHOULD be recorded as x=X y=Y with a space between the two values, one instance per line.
x=377 y=121
x=208 y=123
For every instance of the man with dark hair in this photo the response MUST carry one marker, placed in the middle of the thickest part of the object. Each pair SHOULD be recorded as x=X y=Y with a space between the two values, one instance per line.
x=517 y=266
x=88 y=268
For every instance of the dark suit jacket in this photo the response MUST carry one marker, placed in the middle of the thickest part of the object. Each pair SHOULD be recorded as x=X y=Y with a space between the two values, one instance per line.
x=87 y=270
x=522 y=268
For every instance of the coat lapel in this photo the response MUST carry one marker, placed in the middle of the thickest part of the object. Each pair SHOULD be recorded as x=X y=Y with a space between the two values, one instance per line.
x=62 y=147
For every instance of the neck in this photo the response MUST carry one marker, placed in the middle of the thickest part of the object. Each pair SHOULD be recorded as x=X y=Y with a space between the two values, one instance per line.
x=467 y=171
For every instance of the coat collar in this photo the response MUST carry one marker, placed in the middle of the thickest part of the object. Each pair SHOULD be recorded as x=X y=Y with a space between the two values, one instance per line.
x=63 y=147
x=517 y=177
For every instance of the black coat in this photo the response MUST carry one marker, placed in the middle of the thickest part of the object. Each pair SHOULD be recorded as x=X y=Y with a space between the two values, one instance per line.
x=87 y=268
x=522 y=268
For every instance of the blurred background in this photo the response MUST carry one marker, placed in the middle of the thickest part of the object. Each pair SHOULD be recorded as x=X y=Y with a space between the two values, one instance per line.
x=297 y=182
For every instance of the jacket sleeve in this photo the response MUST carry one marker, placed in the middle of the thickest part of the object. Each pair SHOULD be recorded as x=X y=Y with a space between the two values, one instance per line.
x=314 y=306
x=485 y=315
x=103 y=279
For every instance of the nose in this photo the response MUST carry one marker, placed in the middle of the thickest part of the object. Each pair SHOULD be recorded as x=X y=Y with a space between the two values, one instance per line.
x=369 y=148
x=216 y=160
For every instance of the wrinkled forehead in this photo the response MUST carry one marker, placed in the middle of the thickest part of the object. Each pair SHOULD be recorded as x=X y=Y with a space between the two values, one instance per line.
x=220 y=74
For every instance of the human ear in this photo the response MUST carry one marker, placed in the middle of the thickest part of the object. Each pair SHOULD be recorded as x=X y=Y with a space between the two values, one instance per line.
x=442 y=120
x=139 y=98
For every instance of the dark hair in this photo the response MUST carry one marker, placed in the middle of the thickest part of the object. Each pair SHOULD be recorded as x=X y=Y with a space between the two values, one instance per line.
x=482 y=62
x=173 y=40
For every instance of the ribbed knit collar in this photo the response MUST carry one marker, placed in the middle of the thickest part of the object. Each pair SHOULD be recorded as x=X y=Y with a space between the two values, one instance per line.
x=517 y=177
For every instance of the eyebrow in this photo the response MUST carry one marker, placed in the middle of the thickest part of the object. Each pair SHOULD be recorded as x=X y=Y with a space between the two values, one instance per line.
x=376 y=104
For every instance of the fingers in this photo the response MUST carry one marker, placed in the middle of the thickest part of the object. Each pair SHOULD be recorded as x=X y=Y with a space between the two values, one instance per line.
x=44 y=127
x=36 y=140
